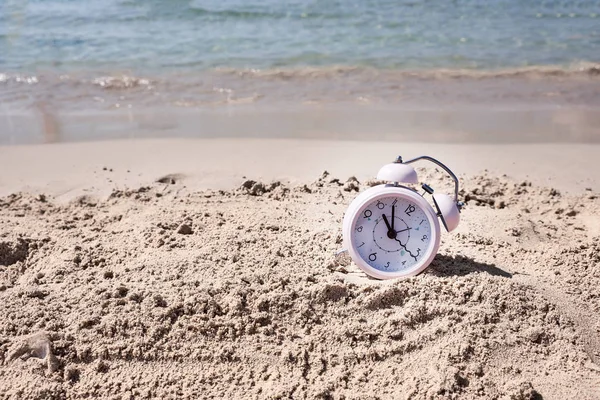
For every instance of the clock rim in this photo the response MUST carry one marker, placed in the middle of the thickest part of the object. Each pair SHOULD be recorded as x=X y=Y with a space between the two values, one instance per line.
x=373 y=194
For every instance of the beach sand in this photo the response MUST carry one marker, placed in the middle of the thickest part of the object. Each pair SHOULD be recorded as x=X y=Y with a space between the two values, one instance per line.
x=206 y=269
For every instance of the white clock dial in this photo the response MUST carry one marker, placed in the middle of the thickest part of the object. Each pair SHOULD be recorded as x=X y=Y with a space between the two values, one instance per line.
x=392 y=234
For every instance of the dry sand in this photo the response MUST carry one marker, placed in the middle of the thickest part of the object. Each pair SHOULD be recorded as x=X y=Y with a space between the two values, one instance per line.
x=138 y=289
x=68 y=170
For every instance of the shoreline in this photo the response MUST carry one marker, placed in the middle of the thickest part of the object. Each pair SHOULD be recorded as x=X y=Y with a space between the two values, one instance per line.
x=356 y=119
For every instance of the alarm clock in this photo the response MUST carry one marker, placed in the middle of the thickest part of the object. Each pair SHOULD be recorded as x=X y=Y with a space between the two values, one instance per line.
x=391 y=230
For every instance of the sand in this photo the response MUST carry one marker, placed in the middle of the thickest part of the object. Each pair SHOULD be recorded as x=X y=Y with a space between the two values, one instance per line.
x=225 y=284
x=68 y=170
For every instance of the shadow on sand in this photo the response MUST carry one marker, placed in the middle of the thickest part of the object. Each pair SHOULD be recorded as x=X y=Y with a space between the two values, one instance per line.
x=460 y=265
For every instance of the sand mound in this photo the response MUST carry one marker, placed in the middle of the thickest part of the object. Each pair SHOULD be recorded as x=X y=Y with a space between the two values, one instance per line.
x=158 y=292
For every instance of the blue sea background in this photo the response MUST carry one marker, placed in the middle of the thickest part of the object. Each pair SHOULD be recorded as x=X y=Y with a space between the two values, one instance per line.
x=462 y=70
x=157 y=35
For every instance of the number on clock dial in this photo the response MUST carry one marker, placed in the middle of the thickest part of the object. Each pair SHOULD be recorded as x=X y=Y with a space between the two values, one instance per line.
x=400 y=250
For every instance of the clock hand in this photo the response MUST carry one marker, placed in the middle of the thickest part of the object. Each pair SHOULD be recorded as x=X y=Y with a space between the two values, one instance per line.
x=406 y=249
x=403 y=230
x=390 y=234
x=387 y=223
x=393 y=212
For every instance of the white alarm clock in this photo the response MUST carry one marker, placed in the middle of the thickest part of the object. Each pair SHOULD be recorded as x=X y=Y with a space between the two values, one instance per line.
x=391 y=230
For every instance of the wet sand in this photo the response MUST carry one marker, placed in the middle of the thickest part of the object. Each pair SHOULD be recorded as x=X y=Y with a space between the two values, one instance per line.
x=536 y=104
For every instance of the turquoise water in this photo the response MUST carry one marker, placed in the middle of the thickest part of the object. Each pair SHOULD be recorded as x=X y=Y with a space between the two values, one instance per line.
x=153 y=36
x=463 y=70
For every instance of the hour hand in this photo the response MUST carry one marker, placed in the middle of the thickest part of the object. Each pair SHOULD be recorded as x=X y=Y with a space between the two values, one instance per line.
x=387 y=223
x=391 y=233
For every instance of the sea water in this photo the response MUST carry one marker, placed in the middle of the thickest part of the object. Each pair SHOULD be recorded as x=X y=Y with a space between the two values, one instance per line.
x=293 y=68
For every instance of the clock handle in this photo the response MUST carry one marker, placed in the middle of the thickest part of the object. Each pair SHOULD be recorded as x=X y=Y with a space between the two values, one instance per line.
x=440 y=164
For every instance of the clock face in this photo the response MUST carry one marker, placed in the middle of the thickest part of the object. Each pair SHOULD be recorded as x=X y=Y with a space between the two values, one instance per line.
x=392 y=234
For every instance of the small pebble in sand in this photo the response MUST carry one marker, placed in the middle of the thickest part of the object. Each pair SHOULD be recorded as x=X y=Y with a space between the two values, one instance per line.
x=351 y=185
x=37 y=346
x=185 y=229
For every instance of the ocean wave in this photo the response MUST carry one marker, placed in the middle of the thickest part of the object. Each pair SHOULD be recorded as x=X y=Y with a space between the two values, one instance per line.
x=124 y=82
x=120 y=82
x=291 y=73
x=225 y=13
x=580 y=69
x=18 y=78
x=108 y=82
x=542 y=85
x=265 y=13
